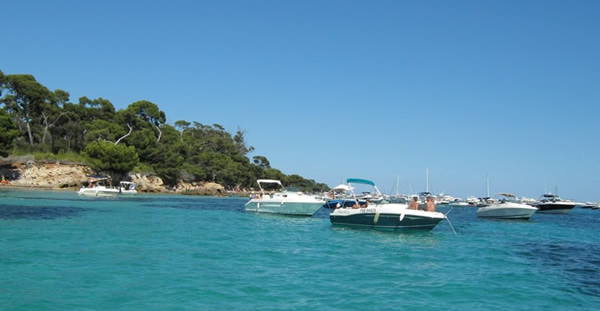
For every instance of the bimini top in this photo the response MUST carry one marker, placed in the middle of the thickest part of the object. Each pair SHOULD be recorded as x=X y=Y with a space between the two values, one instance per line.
x=98 y=177
x=268 y=181
x=360 y=181
x=508 y=195
x=343 y=187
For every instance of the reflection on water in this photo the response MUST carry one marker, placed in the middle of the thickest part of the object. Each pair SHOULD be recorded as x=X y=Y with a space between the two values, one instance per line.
x=38 y=212
x=197 y=203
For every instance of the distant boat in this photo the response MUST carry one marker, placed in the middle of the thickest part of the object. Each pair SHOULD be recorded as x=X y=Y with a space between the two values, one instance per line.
x=381 y=214
x=287 y=201
x=472 y=200
x=552 y=204
x=506 y=208
x=588 y=205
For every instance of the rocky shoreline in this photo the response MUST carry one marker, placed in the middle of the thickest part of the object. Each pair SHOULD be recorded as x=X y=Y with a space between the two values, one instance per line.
x=69 y=176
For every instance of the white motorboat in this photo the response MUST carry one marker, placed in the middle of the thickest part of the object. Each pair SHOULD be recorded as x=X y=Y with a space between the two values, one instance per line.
x=287 y=201
x=473 y=201
x=127 y=187
x=381 y=214
x=552 y=204
x=98 y=186
x=506 y=208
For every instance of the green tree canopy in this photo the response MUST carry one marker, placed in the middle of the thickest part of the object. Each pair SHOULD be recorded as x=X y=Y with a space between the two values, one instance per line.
x=25 y=99
x=103 y=156
x=8 y=133
x=33 y=118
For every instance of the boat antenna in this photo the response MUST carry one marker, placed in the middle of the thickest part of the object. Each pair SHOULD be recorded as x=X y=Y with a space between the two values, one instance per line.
x=395 y=186
x=487 y=179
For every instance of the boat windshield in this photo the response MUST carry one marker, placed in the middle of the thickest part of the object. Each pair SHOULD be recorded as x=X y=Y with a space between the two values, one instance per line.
x=292 y=189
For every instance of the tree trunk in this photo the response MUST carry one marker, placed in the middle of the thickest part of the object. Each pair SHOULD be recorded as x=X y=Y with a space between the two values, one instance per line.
x=130 y=130
x=159 y=133
x=29 y=134
x=45 y=128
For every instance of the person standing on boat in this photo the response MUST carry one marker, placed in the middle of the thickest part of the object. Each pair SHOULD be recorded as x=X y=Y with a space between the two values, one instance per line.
x=414 y=204
x=430 y=204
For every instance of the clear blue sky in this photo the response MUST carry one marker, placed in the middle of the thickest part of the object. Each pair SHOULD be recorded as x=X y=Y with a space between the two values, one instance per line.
x=336 y=89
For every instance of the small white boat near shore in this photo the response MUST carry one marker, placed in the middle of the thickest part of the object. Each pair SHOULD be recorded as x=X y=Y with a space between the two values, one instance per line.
x=127 y=187
x=100 y=186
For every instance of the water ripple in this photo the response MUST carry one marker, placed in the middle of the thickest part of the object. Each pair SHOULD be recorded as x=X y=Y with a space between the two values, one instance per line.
x=577 y=264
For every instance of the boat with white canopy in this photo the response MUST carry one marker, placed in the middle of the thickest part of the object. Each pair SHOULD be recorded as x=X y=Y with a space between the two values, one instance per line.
x=507 y=207
x=276 y=199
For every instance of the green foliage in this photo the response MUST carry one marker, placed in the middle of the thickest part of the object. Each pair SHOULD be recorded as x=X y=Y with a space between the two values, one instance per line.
x=103 y=130
x=107 y=157
x=8 y=133
x=261 y=161
x=143 y=168
x=35 y=119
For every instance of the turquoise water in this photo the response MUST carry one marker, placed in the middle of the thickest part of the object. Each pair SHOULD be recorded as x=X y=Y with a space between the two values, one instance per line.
x=155 y=252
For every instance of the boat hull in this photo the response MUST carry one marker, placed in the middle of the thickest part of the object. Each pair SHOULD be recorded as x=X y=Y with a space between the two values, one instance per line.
x=385 y=218
x=91 y=192
x=128 y=191
x=284 y=208
x=506 y=211
x=555 y=208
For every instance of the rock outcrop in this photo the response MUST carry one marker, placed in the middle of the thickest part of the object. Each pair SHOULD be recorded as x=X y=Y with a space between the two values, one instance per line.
x=148 y=183
x=200 y=188
x=63 y=175
x=46 y=175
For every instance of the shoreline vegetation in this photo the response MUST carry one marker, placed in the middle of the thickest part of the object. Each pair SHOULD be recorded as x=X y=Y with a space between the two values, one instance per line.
x=38 y=125
x=70 y=177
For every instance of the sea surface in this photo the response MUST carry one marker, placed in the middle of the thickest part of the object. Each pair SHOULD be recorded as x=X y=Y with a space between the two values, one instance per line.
x=171 y=252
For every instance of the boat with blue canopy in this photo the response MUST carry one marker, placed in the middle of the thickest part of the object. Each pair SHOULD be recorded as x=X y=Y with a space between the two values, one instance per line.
x=381 y=214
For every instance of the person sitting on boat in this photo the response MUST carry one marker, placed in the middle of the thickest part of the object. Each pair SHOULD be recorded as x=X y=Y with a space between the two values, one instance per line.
x=366 y=204
x=430 y=204
x=414 y=204
x=356 y=204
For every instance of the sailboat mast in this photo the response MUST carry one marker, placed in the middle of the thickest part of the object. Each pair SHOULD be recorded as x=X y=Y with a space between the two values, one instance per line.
x=487 y=179
x=427 y=180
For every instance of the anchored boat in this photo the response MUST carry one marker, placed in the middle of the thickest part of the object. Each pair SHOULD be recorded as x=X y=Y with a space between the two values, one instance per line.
x=381 y=214
x=552 y=204
x=287 y=201
x=506 y=208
